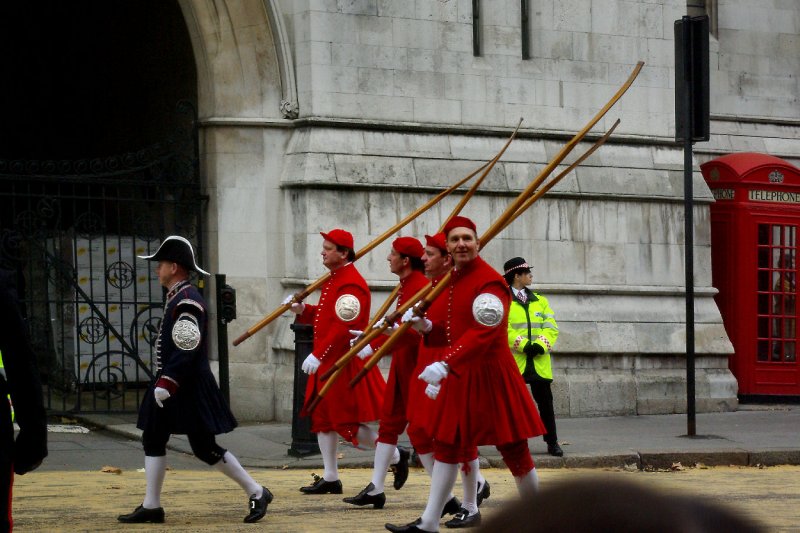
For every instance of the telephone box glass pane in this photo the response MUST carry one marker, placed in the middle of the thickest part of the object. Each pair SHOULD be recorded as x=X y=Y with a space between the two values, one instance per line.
x=763 y=348
x=763 y=281
x=777 y=290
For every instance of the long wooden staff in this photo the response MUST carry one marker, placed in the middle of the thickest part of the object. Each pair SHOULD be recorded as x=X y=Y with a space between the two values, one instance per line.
x=387 y=346
x=511 y=213
x=369 y=332
x=302 y=295
x=550 y=184
x=332 y=374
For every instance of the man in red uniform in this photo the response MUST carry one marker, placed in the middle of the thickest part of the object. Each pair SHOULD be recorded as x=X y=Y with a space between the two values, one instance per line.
x=344 y=304
x=484 y=400
x=405 y=260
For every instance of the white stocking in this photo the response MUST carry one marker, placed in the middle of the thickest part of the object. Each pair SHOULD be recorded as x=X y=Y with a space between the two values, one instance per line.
x=366 y=437
x=528 y=484
x=230 y=466
x=442 y=481
x=470 y=482
x=328 y=446
x=383 y=456
x=427 y=462
x=155 y=468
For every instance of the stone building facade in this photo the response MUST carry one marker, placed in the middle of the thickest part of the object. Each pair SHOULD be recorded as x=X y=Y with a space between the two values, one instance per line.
x=350 y=113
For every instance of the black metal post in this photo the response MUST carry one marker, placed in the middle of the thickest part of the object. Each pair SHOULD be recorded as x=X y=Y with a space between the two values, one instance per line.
x=688 y=203
x=303 y=441
x=222 y=343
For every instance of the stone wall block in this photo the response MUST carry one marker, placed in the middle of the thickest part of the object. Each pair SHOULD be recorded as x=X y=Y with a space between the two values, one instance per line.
x=606 y=394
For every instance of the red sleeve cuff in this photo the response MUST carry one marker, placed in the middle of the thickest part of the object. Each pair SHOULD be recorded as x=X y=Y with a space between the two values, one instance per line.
x=168 y=383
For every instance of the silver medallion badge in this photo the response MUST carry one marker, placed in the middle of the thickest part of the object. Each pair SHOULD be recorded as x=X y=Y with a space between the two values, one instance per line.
x=186 y=335
x=347 y=307
x=487 y=309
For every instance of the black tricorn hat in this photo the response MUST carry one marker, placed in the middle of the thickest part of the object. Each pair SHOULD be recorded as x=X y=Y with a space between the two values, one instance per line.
x=515 y=263
x=178 y=250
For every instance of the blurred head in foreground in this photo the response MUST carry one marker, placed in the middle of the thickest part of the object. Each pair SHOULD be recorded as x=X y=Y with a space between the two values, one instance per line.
x=605 y=505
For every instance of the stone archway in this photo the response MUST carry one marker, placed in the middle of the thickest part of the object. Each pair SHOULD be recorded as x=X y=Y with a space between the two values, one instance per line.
x=246 y=93
x=97 y=161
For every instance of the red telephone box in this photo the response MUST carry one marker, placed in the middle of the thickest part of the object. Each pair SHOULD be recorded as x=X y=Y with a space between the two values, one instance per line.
x=754 y=247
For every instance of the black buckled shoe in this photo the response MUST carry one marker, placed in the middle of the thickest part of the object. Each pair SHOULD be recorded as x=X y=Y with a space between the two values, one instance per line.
x=400 y=469
x=484 y=492
x=412 y=527
x=258 y=506
x=452 y=506
x=555 y=449
x=320 y=486
x=140 y=515
x=363 y=498
x=463 y=519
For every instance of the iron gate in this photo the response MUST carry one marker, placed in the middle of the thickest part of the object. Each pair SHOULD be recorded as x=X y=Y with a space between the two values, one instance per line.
x=72 y=231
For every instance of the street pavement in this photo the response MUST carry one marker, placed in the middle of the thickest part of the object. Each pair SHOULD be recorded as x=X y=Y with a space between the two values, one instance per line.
x=753 y=435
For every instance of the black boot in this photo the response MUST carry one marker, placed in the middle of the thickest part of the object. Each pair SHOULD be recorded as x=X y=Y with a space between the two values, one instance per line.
x=320 y=486
x=258 y=506
x=412 y=527
x=484 y=492
x=555 y=449
x=400 y=468
x=463 y=519
x=362 y=498
x=140 y=515
x=452 y=506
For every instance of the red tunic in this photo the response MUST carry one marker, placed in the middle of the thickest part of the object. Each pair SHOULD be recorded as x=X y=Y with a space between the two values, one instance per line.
x=484 y=399
x=343 y=408
x=404 y=359
x=420 y=407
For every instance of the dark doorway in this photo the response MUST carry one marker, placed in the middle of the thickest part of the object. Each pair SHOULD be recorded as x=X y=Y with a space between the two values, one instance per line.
x=89 y=78
x=98 y=162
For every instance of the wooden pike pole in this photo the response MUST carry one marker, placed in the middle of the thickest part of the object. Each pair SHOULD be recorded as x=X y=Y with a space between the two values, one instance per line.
x=302 y=295
x=370 y=333
x=332 y=374
x=512 y=212
x=384 y=349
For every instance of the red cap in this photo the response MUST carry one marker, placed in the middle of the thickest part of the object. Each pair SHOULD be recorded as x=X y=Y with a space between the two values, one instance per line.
x=408 y=246
x=459 y=222
x=339 y=237
x=436 y=241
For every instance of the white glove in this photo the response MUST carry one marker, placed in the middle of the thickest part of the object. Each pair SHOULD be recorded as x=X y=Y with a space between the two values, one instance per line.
x=434 y=373
x=161 y=394
x=356 y=333
x=297 y=307
x=419 y=323
x=432 y=391
x=311 y=364
x=365 y=352
x=390 y=327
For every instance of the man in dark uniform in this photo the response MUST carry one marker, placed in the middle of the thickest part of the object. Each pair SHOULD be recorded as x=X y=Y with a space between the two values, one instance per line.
x=185 y=398
x=21 y=382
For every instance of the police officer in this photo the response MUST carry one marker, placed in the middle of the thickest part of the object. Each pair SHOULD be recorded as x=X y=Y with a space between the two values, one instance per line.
x=185 y=398
x=532 y=333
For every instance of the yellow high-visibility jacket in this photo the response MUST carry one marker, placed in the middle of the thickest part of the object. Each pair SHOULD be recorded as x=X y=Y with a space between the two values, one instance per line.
x=3 y=375
x=532 y=322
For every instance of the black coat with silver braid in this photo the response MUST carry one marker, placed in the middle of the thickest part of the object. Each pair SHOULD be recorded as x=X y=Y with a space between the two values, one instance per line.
x=197 y=405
